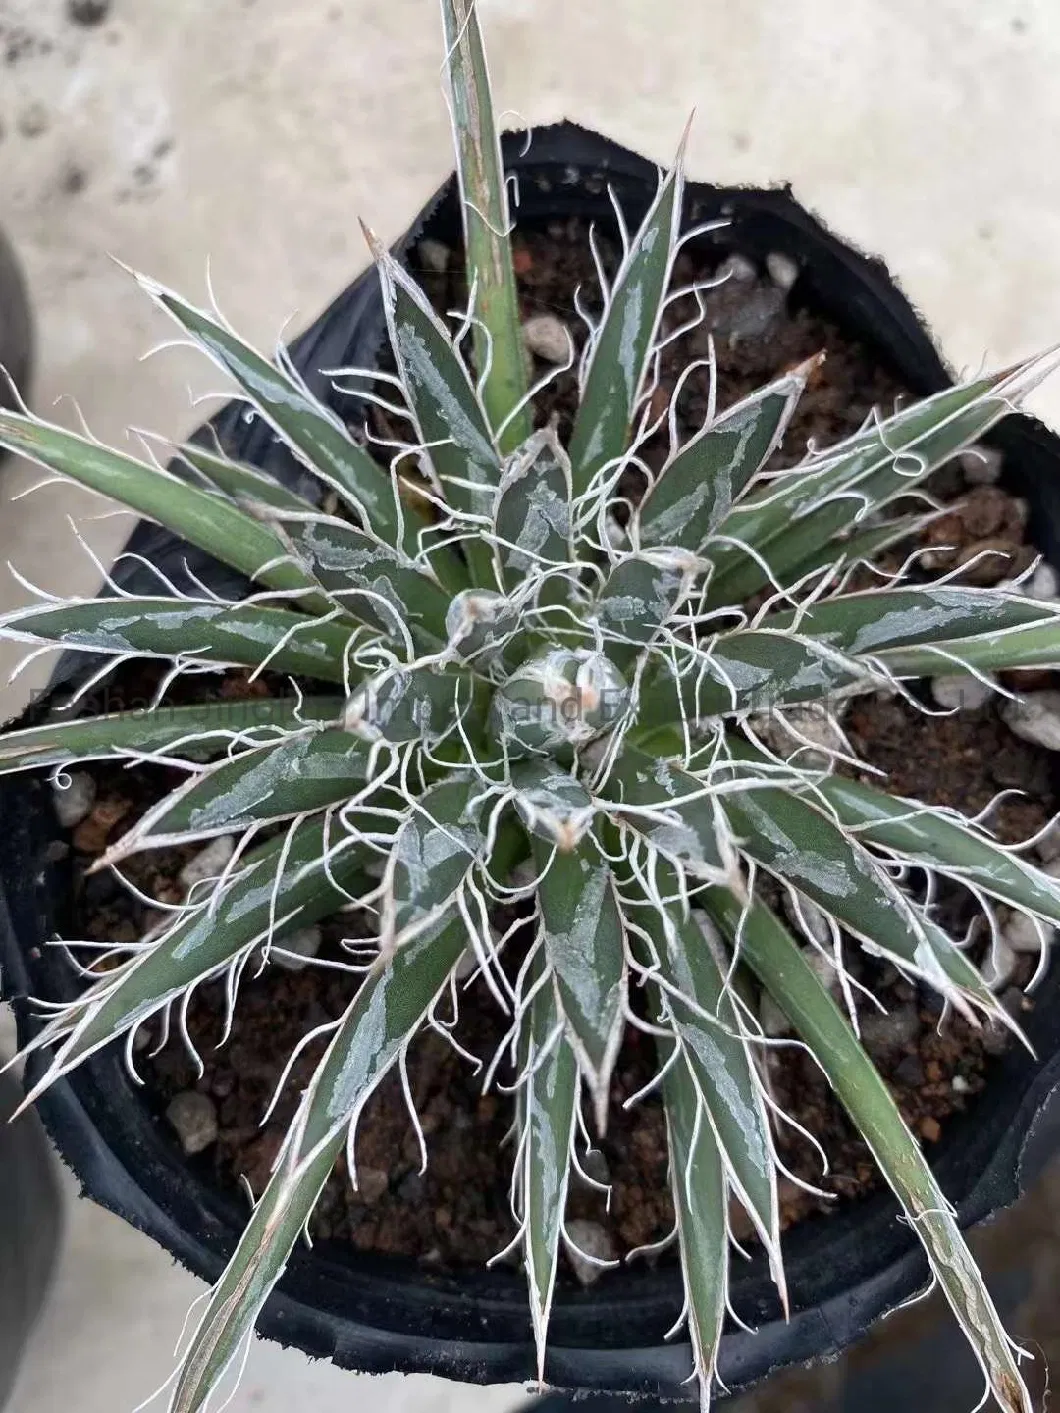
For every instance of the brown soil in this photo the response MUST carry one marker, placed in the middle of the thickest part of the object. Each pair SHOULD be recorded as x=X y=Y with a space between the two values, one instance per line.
x=457 y=1212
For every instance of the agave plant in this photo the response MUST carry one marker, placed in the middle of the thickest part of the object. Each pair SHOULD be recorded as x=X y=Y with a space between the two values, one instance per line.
x=517 y=705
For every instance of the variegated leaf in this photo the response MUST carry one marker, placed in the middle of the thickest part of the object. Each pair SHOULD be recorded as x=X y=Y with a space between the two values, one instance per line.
x=234 y=634
x=581 y=927
x=532 y=512
x=194 y=732
x=642 y=592
x=701 y=1204
x=240 y=482
x=547 y=1101
x=552 y=804
x=398 y=706
x=484 y=204
x=314 y=434
x=622 y=345
x=207 y=521
x=286 y=884
x=1034 y=645
x=388 y=1009
x=305 y=773
x=942 y=840
x=702 y=479
x=675 y=811
x=770 y=951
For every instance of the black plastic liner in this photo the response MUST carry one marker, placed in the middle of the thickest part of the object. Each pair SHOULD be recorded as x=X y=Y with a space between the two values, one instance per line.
x=380 y=1315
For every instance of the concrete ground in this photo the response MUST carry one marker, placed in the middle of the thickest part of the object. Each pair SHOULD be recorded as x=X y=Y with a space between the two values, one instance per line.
x=253 y=132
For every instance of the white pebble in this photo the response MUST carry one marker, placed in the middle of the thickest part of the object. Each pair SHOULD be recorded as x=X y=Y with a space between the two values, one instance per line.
x=999 y=964
x=959 y=1084
x=1048 y=846
x=434 y=255
x=1035 y=719
x=1023 y=934
x=194 y=1118
x=1045 y=583
x=738 y=269
x=294 y=953
x=981 y=466
x=960 y=691
x=549 y=338
x=209 y=862
x=594 y=1240
x=771 y=1018
x=371 y=1184
x=74 y=801
x=783 y=270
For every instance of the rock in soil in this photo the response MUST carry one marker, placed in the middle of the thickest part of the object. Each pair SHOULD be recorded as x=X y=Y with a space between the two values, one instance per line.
x=1023 y=934
x=548 y=338
x=960 y=691
x=194 y=1117
x=771 y=1018
x=295 y=952
x=1045 y=584
x=981 y=466
x=999 y=964
x=592 y=1239
x=209 y=862
x=737 y=268
x=1035 y=719
x=372 y=1183
x=986 y=562
x=74 y=800
x=783 y=270
x=885 y=1034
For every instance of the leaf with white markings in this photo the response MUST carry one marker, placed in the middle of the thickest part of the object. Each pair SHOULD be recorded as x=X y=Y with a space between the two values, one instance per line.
x=398 y=706
x=642 y=592
x=532 y=512
x=242 y=483
x=552 y=804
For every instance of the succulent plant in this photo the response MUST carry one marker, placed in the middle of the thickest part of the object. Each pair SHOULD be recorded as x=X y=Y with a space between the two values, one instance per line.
x=536 y=700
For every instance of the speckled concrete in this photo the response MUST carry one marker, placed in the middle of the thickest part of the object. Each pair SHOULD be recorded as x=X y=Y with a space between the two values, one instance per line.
x=254 y=132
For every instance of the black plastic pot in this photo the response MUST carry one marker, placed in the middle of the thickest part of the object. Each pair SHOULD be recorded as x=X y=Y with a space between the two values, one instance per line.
x=377 y=1315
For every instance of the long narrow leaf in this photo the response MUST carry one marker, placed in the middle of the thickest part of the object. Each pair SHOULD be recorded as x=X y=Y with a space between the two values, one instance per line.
x=240 y=635
x=532 y=512
x=240 y=482
x=642 y=592
x=386 y=1012
x=772 y=953
x=484 y=205
x=1035 y=645
x=198 y=732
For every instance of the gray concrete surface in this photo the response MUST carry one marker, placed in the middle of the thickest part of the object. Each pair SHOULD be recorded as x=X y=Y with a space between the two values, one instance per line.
x=253 y=132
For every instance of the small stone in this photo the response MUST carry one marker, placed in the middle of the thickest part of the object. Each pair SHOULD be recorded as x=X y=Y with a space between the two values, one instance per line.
x=466 y=965
x=1048 y=846
x=371 y=1184
x=886 y=1032
x=960 y=691
x=910 y=1072
x=302 y=947
x=209 y=862
x=434 y=255
x=1023 y=935
x=808 y=917
x=143 y=1039
x=998 y=964
x=783 y=270
x=74 y=800
x=929 y=1129
x=592 y=1239
x=548 y=338
x=738 y=269
x=799 y=730
x=984 y=562
x=756 y=315
x=959 y=1084
x=1045 y=583
x=771 y=1018
x=194 y=1117
x=1035 y=719
x=594 y=1166
x=92 y=834
x=981 y=465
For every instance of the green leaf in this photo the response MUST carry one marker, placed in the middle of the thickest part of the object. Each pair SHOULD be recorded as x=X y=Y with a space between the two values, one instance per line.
x=435 y=850
x=399 y=705
x=198 y=732
x=207 y=521
x=771 y=952
x=552 y=804
x=373 y=582
x=860 y=546
x=1036 y=645
x=943 y=840
x=676 y=811
x=790 y=520
x=641 y=594
x=547 y=1100
x=622 y=345
x=699 y=483
x=241 y=635
x=389 y=1008
x=532 y=512
x=700 y=1202
x=303 y=774
x=717 y=1053
x=286 y=885
x=313 y=433
x=240 y=482
x=581 y=927
x=484 y=204
x=796 y=842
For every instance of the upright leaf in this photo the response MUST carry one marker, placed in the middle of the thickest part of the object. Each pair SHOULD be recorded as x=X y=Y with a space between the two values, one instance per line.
x=388 y=1009
x=401 y=705
x=240 y=482
x=702 y=479
x=642 y=592
x=771 y=952
x=532 y=512
x=622 y=345
x=484 y=205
